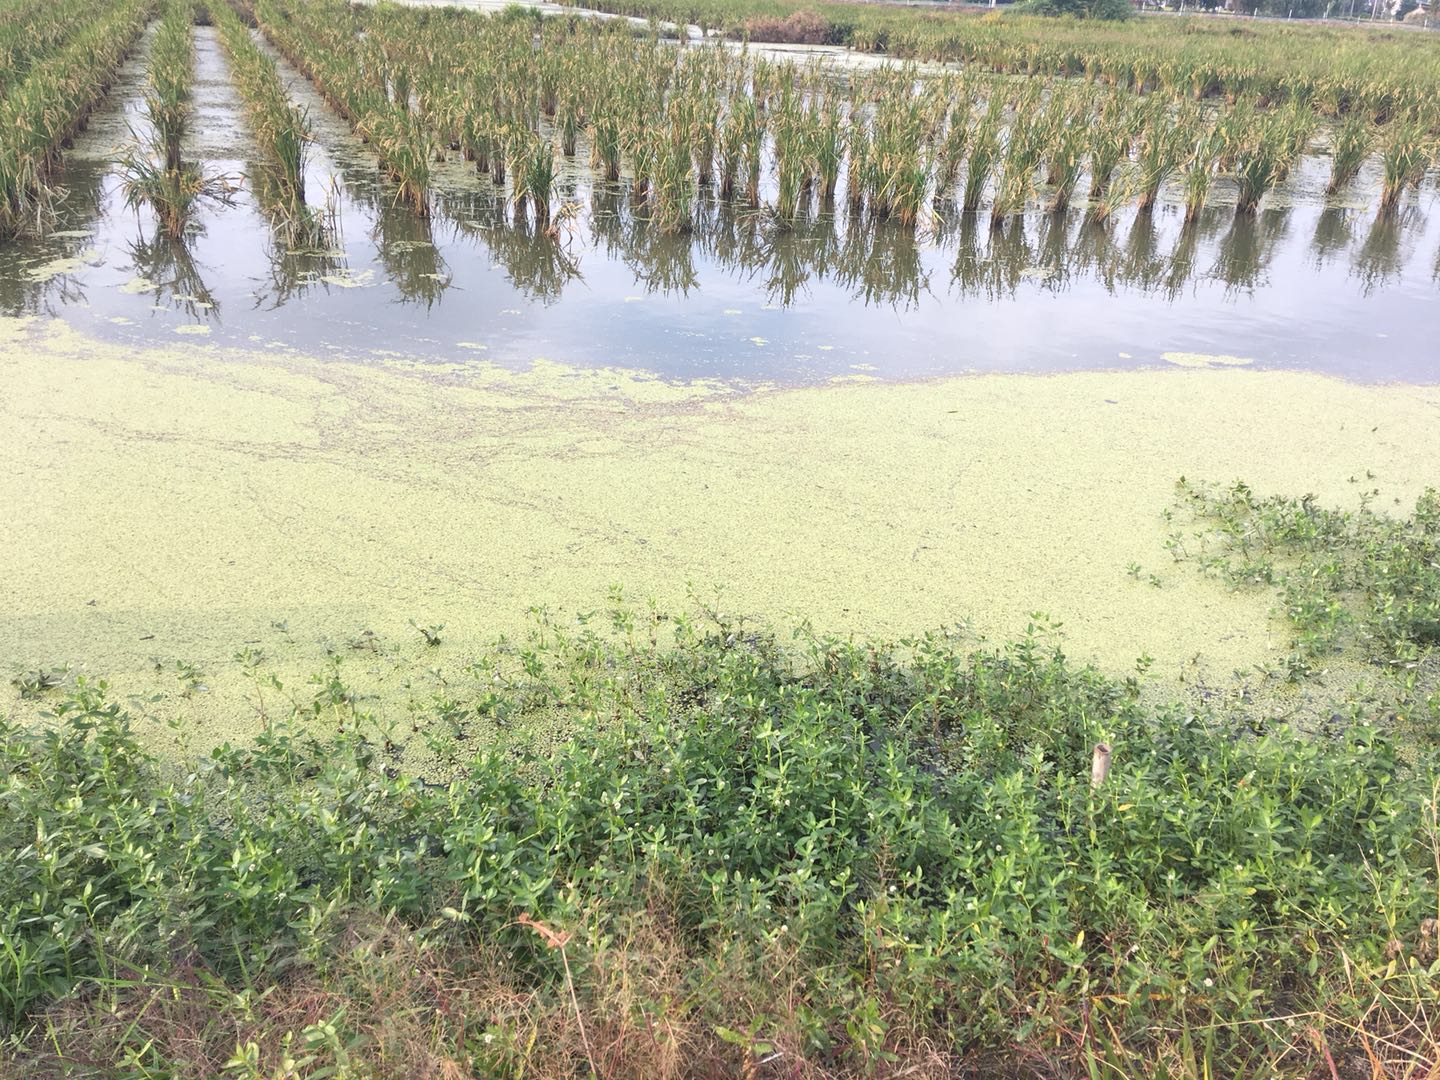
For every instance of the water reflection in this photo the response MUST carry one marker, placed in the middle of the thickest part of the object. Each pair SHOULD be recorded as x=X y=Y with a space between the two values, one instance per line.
x=1334 y=233
x=1045 y=289
x=1382 y=258
x=166 y=269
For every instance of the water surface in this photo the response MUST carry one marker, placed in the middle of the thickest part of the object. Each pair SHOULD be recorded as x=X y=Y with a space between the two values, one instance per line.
x=1331 y=288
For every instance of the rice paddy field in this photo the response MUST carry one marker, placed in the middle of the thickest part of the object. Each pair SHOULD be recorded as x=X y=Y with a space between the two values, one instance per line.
x=716 y=539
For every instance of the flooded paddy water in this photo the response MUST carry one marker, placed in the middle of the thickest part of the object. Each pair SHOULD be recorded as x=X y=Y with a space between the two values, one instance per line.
x=228 y=444
x=1306 y=284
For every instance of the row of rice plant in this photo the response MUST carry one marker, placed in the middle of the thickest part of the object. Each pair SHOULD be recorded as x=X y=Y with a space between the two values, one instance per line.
x=281 y=128
x=514 y=93
x=33 y=30
x=167 y=91
x=1334 y=71
x=42 y=111
x=155 y=172
x=360 y=81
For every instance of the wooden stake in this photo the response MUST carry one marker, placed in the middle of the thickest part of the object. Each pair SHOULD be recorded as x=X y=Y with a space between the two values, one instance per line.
x=1099 y=764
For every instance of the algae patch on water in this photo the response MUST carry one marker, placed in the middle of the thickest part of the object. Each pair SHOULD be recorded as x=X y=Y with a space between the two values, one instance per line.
x=228 y=493
x=1205 y=360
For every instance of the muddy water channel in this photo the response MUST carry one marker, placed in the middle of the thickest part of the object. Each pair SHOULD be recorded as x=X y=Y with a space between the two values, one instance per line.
x=1304 y=284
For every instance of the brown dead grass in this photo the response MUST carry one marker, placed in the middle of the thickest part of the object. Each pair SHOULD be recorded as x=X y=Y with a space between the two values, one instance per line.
x=646 y=1007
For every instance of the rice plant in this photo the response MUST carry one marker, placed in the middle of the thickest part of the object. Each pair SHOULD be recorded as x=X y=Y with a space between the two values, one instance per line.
x=1160 y=149
x=1353 y=140
x=281 y=128
x=1067 y=140
x=1110 y=139
x=1404 y=156
x=1259 y=147
x=172 y=195
x=1198 y=172
x=1024 y=150
x=755 y=129
x=48 y=105
x=605 y=150
x=533 y=169
x=167 y=94
x=984 y=153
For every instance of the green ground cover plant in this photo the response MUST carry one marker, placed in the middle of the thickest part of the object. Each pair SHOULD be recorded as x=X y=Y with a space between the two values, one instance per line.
x=751 y=857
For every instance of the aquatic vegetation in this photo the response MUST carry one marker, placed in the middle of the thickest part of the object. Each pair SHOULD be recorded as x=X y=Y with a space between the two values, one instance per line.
x=1346 y=579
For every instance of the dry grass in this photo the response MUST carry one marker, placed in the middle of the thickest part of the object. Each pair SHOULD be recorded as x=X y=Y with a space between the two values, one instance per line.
x=388 y=1003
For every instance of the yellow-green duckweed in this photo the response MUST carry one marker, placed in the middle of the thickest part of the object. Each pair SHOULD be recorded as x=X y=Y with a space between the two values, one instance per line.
x=180 y=504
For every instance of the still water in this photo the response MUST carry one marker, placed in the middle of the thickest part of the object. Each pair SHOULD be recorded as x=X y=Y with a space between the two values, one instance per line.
x=1303 y=284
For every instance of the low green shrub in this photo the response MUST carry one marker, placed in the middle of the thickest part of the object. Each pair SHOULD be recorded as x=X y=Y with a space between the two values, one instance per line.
x=858 y=858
